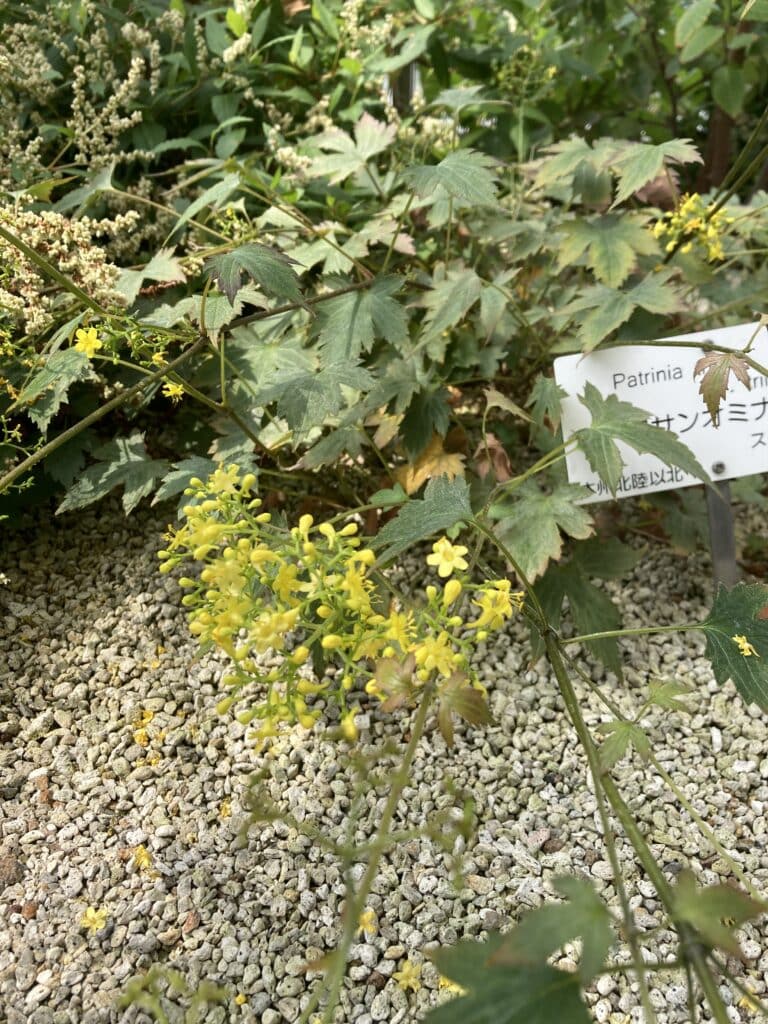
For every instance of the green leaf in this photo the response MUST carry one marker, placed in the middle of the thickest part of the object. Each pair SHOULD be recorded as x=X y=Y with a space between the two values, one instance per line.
x=177 y=480
x=428 y=414
x=463 y=174
x=163 y=266
x=348 y=156
x=612 y=243
x=502 y=994
x=236 y=22
x=496 y=400
x=605 y=557
x=218 y=312
x=545 y=398
x=546 y=929
x=388 y=497
x=211 y=197
x=445 y=503
x=308 y=399
x=593 y=611
x=715 y=911
x=692 y=19
x=614 y=420
x=664 y=693
x=729 y=87
x=447 y=303
x=621 y=737
x=602 y=321
x=562 y=160
x=46 y=391
x=96 y=183
x=269 y=268
x=641 y=162
x=123 y=462
x=323 y=16
x=740 y=612
x=703 y=39
x=348 y=324
x=345 y=440
x=530 y=520
x=611 y=308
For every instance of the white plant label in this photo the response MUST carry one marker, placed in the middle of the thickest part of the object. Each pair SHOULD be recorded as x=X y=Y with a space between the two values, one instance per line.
x=659 y=379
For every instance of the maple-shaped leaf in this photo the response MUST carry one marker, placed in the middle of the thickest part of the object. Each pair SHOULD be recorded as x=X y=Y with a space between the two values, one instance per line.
x=464 y=174
x=548 y=928
x=545 y=398
x=614 y=420
x=270 y=269
x=396 y=679
x=496 y=400
x=717 y=368
x=457 y=696
x=611 y=242
x=666 y=693
x=44 y=394
x=307 y=399
x=737 y=640
x=433 y=461
x=445 y=503
x=502 y=993
x=641 y=162
x=529 y=523
x=348 y=324
x=123 y=462
x=621 y=737
x=448 y=303
x=346 y=156
x=715 y=911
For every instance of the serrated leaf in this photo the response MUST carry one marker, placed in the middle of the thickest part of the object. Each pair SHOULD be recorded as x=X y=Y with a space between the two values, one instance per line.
x=218 y=312
x=345 y=440
x=593 y=611
x=717 y=368
x=496 y=400
x=347 y=156
x=428 y=413
x=614 y=420
x=211 y=197
x=529 y=523
x=545 y=398
x=177 y=479
x=708 y=909
x=740 y=612
x=665 y=693
x=641 y=162
x=562 y=160
x=602 y=321
x=445 y=503
x=269 y=268
x=503 y=994
x=307 y=399
x=546 y=929
x=447 y=303
x=692 y=19
x=434 y=461
x=395 y=679
x=611 y=242
x=463 y=174
x=611 y=308
x=348 y=324
x=45 y=393
x=163 y=266
x=123 y=462
x=621 y=737
x=388 y=497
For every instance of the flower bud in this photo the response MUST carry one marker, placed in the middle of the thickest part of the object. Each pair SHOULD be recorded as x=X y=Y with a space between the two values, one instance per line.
x=451 y=591
x=332 y=641
x=248 y=481
x=300 y=655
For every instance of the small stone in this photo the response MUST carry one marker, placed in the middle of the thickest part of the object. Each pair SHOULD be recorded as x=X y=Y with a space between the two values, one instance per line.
x=380 y=1007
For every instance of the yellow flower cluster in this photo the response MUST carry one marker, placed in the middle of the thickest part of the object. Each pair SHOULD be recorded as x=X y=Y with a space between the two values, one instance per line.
x=311 y=593
x=693 y=222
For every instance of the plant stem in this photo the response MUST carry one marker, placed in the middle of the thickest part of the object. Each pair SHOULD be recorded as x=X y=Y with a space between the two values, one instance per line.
x=640 y=631
x=356 y=904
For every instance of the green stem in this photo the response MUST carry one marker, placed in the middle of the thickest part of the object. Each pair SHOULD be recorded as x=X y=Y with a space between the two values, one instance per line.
x=693 y=952
x=94 y=417
x=356 y=903
x=704 y=346
x=640 y=631
x=265 y=314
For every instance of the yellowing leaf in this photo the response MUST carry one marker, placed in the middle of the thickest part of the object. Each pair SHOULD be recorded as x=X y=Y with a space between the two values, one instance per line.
x=434 y=461
x=717 y=368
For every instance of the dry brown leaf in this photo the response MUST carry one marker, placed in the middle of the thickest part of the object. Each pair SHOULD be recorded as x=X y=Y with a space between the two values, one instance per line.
x=492 y=456
x=433 y=461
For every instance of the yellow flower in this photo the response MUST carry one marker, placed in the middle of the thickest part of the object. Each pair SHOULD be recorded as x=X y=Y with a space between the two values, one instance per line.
x=451 y=986
x=240 y=999
x=408 y=976
x=158 y=358
x=94 y=920
x=348 y=727
x=400 y=629
x=88 y=341
x=435 y=652
x=142 y=858
x=745 y=646
x=447 y=557
x=367 y=922
x=747 y=1003
x=496 y=604
x=173 y=391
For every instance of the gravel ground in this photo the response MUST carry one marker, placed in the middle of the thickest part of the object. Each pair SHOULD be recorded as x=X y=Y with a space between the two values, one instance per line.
x=93 y=639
